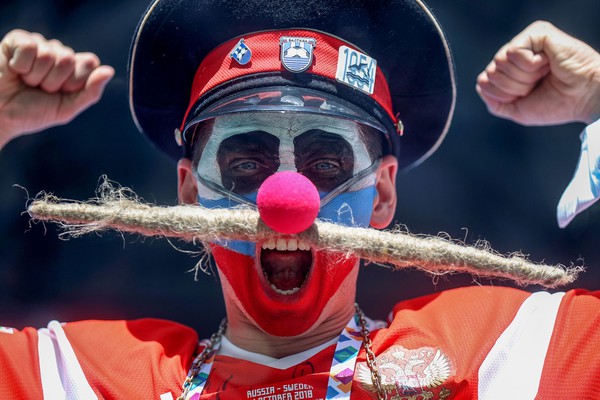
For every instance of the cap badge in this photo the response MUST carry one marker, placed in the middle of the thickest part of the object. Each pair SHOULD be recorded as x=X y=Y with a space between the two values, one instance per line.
x=241 y=53
x=356 y=69
x=297 y=53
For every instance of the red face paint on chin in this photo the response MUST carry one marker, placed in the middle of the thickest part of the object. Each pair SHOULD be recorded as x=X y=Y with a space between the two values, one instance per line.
x=277 y=314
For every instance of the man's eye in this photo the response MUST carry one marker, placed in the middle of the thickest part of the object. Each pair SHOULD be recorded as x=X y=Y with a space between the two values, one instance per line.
x=325 y=166
x=245 y=166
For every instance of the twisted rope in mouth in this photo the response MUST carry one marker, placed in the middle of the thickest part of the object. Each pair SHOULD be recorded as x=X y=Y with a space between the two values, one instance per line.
x=120 y=209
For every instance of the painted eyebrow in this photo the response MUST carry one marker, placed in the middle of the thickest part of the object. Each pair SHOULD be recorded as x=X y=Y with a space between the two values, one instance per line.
x=319 y=140
x=261 y=141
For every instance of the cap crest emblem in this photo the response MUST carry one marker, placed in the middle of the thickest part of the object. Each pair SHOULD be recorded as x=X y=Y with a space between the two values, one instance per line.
x=297 y=53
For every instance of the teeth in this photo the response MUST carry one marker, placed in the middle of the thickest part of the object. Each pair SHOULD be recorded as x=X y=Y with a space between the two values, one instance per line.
x=302 y=245
x=292 y=245
x=284 y=292
x=283 y=244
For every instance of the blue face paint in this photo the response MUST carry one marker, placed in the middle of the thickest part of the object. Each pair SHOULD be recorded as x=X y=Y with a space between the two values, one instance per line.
x=350 y=208
x=239 y=246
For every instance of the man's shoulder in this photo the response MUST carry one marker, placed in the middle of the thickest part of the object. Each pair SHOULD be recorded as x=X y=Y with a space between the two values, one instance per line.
x=483 y=298
x=483 y=313
x=113 y=357
x=165 y=333
x=463 y=298
x=468 y=317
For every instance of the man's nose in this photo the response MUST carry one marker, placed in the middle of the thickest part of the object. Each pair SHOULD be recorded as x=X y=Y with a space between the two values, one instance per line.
x=288 y=202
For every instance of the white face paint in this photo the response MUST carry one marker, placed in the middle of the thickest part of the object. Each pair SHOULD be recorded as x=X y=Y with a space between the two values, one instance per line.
x=286 y=127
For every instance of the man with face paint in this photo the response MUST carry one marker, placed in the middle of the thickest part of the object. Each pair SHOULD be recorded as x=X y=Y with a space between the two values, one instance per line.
x=290 y=281
x=328 y=101
x=237 y=152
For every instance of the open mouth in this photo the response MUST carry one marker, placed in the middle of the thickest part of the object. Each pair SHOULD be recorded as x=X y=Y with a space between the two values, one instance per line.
x=286 y=264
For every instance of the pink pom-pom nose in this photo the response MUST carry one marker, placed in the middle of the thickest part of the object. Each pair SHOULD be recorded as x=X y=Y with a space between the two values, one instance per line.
x=288 y=202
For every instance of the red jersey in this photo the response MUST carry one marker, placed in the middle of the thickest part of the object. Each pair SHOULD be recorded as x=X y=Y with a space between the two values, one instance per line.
x=469 y=343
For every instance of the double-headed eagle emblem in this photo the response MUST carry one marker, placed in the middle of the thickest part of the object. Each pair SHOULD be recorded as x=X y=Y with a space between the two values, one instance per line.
x=408 y=373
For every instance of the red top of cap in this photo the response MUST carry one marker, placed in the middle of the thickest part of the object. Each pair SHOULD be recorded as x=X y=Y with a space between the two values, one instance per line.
x=218 y=67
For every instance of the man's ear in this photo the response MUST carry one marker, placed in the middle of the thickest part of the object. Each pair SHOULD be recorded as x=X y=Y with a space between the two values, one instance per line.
x=384 y=205
x=187 y=188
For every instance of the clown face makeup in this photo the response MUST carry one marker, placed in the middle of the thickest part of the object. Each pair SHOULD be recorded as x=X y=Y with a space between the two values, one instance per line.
x=244 y=149
x=289 y=281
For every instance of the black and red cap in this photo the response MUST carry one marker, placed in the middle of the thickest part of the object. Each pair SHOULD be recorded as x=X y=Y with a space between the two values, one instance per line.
x=385 y=64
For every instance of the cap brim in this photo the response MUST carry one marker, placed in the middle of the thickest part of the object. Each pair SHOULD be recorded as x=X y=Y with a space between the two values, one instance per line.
x=285 y=99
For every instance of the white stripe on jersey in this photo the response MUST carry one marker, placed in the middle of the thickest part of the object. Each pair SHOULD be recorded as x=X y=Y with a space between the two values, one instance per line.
x=62 y=376
x=513 y=367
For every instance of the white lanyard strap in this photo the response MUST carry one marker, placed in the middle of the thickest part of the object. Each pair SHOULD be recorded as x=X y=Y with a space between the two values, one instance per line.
x=341 y=372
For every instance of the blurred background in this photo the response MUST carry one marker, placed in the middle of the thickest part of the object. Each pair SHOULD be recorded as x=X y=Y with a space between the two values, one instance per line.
x=490 y=180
